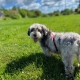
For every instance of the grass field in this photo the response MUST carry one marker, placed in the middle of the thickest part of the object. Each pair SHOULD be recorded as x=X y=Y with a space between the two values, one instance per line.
x=22 y=59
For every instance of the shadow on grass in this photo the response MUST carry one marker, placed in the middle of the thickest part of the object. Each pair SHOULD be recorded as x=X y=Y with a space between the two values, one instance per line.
x=52 y=67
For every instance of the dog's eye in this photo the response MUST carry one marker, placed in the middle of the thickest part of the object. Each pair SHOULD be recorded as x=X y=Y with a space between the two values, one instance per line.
x=32 y=30
x=39 y=30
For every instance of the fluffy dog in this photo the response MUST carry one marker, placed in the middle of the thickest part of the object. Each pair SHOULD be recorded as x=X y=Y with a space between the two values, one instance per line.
x=68 y=44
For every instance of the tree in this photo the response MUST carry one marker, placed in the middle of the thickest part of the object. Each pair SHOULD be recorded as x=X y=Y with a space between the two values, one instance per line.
x=14 y=8
x=78 y=8
x=66 y=12
x=6 y=13
x=50 y=14
x=38 y=13
x=31 y=13
x=22 y=12
x=56 y=13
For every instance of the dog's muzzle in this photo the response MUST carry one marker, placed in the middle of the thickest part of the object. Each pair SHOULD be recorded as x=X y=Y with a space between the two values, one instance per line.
x=35 y=38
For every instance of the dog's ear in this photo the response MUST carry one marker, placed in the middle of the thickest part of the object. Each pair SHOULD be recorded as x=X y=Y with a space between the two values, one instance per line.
x=45 y=30
x=28 y=32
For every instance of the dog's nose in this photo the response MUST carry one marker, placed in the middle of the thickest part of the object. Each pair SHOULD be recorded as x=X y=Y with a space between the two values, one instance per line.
x=34 y=35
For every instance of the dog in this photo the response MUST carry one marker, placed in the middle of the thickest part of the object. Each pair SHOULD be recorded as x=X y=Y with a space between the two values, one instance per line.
x=67 y=44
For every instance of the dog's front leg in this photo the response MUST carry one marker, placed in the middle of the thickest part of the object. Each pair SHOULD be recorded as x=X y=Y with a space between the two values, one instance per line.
x=46 y=51
x=68 y=64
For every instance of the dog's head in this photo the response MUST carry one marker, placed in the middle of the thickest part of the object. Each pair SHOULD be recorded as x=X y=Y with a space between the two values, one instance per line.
x=38 y=31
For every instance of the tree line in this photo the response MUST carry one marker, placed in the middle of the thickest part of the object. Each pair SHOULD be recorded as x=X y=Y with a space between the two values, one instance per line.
x=16 y=13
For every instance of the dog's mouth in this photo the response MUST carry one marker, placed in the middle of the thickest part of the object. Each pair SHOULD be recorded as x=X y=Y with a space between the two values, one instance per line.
x=35 y=40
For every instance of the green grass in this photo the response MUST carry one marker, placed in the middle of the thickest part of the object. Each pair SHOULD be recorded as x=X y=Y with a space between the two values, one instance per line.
x=22 y=59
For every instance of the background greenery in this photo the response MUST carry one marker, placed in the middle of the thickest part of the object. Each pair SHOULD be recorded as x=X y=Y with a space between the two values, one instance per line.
x=22 y=59
x=17 y=12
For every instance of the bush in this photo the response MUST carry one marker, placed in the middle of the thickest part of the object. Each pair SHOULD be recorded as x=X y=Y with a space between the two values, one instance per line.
x=6 y=13
x=13 y=14
x=34 y=13
x=77 y=10
x=50 y=14
x=56 y=13
x=23 y=13
x=44 y=15
x=66 y=12
x=38 y=13
x=31 y=14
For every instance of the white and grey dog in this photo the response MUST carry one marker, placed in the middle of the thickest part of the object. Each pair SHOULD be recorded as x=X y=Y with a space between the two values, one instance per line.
x=68 y=44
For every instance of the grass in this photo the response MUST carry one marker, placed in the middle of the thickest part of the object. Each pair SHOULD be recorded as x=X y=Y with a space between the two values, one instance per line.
x=22 y=59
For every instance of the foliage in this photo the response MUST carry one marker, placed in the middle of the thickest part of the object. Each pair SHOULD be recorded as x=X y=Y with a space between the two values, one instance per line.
x=15 y=16
x=50 y=14
x=77 y=10
x=6 y=12
x=56 y=13
x=44 y=15
x=12 y=14
x=34 y=13
x=14 y=8
x=22 y=12
x=31 y=13
x=38 y=13
x=66 y=12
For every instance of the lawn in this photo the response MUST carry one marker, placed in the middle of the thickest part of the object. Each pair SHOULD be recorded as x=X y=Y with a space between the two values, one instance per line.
x=22 y=59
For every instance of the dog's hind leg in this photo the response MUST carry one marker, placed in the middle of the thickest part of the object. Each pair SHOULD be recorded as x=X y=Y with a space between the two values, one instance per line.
x=67 y=59
x=78 y=55
x=78 y=58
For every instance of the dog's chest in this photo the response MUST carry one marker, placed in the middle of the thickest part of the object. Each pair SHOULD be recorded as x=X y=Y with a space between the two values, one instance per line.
x=50 y=45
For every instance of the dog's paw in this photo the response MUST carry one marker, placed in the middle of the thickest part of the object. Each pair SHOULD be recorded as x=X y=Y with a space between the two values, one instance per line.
x=70 y=76
x=78 y=65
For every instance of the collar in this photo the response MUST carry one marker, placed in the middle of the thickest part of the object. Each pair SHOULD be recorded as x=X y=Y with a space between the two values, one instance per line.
x=53 y=38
